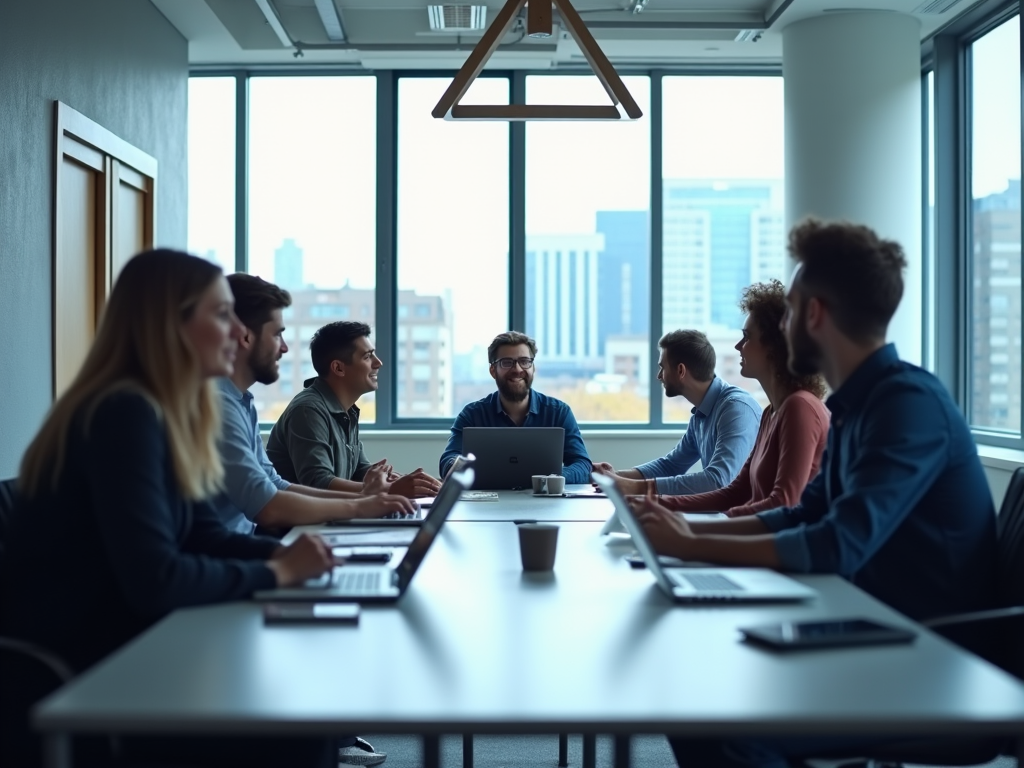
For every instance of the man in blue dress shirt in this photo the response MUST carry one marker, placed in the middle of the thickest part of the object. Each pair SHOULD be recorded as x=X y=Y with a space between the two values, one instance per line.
x=515 y=404
x=901 y=506
x=720 y=434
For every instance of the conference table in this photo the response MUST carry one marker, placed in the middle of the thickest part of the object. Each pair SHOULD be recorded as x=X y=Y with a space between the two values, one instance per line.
x=477 y=646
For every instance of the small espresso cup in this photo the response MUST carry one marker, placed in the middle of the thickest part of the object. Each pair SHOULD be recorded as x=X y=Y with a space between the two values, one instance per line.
x=540 y=483
x=556 y=484
x=537 y=545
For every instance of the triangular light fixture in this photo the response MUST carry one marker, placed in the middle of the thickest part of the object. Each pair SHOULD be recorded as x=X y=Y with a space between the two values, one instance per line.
x=539 y=24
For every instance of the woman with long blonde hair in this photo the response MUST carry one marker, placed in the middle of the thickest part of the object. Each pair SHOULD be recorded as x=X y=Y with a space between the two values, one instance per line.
x=112 y=529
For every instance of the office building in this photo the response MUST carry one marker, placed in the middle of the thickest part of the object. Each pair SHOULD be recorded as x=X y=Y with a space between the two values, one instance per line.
x=996 y=337
x=624 y=269
x=288 y=265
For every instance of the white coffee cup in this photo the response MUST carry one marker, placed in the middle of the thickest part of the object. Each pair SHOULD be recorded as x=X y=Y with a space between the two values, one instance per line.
x=556 y=485
x=540 y=484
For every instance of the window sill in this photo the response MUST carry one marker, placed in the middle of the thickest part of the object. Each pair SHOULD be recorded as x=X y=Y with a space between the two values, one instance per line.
x=1008 y=459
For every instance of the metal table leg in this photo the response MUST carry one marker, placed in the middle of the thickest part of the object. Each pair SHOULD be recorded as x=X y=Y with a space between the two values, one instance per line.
x=467 y=750
x=622 y=751
x=57 y=750
x=589 y=751
x=563 y=750
x=431 y=752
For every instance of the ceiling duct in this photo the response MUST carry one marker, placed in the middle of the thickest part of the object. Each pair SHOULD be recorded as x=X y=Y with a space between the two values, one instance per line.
x=457 y=18
x=748 y=35
x=936 y=7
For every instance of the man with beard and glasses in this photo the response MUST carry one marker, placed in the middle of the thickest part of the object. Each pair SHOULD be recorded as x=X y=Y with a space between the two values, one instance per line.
x=722 y=428
x=254 y=492
x=516 y=404
x=316 y=440
x=901 y=506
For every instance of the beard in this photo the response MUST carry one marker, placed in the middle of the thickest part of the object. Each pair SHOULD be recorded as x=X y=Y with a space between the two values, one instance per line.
x=514 y=394
x=264 y=368
x=804 y=352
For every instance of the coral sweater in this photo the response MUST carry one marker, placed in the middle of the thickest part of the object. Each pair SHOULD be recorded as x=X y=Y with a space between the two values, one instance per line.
x=785 y=457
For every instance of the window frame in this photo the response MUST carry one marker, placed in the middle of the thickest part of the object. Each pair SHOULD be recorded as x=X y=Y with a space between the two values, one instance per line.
x=947 y=54
x=386 y=289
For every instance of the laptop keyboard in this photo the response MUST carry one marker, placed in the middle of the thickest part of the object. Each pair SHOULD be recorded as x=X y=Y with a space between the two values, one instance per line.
x=706 y=582
x=350 y=582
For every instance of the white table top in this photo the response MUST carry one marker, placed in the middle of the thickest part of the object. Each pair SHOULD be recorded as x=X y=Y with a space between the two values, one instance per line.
x=477 y=646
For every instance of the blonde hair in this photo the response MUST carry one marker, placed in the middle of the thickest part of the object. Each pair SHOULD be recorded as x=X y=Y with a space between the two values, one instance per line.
x=140 y=346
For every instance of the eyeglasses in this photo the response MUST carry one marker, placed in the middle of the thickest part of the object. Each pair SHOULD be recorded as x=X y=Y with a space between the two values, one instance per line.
x=506 y=363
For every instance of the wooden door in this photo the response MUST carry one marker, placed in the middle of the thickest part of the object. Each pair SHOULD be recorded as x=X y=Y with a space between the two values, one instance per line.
x=104 y=213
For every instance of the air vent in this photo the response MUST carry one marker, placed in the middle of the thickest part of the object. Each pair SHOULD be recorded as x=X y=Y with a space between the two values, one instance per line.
x=936 y=7
x=748 y=35
x=457 y=18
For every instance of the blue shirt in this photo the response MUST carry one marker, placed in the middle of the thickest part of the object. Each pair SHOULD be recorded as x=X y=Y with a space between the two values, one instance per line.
x=250 y=480
x=544 y=412
x=720 y=434
x=901 y=506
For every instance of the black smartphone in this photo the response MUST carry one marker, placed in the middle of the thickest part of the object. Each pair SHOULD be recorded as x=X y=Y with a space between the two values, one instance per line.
x=310 y=613
x=826 y=634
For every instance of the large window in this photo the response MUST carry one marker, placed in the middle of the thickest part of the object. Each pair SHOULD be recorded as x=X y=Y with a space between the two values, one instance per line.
x=588 y=252
x=452 y=242
x=994 y=255
x=723 y=225
x=312 y=206
x=211 y=169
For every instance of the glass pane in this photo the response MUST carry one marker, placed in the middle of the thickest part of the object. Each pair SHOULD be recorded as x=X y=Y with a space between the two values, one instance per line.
x=452 y=248
x=312 y=211
x=995 y=252
x=723 y=209
x=211 y=169
x=588 y=199
x=929 y=223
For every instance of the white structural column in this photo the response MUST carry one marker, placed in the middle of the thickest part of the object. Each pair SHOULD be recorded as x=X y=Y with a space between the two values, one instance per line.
x=853 y=136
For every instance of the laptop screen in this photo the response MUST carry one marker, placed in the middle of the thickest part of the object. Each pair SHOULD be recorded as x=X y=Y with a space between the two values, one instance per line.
x=635 y=530
x=451 y=489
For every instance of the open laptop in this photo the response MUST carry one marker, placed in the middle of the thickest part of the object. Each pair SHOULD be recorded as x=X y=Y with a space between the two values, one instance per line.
x=507 y=457
x=380 y=583
x=699 y=585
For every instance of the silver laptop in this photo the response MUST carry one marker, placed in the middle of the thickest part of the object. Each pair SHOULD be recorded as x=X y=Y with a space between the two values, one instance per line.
x=380 y=583
x=699 y=585
x=507 y=457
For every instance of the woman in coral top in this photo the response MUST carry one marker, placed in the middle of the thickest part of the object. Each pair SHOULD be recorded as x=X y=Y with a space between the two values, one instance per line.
x=791 y=438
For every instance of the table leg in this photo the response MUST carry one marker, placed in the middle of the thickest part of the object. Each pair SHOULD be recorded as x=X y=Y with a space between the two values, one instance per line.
x=57 y=750
x=589 y=750
x=431 y=752
x=563 y=750
x=467 y=750
x=622 y=751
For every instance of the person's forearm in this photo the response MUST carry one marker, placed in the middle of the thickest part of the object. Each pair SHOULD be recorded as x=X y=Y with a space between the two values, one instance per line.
x=632 y=474
x=324 y=493
x=288 y=508
x=735 y=526
x=757 y=551
x=353 y=487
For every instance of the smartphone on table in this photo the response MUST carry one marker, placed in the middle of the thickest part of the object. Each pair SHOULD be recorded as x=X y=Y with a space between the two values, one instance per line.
x=276 y=614
x=837 y=633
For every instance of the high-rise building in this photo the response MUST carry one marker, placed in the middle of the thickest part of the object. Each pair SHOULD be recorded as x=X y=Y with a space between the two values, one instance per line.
x=718 y=238
x=562 y=301
x=423 y=350
x=623 y=275
x=996 y=342
x=288 y=266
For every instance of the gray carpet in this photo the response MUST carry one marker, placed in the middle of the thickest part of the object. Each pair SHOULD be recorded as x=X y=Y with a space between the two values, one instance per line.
x=537 y=752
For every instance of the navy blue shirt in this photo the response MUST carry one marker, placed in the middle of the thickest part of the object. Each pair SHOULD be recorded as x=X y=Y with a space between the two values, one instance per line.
x=544 y=412
x=901 y=506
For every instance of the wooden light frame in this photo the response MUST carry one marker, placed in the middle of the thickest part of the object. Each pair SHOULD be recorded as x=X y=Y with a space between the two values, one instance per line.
x=538 y=24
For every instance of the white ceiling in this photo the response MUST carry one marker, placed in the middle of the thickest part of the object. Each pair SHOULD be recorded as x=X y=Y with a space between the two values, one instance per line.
x=388 y=34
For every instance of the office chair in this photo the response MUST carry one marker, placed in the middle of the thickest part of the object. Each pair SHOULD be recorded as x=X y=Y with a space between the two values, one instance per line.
x=996 y=635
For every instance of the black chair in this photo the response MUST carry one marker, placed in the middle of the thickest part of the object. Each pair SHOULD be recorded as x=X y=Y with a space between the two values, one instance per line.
x=996 y=635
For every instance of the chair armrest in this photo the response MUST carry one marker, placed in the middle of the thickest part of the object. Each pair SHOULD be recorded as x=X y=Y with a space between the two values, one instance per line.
x=973 y=617
x=50 y=660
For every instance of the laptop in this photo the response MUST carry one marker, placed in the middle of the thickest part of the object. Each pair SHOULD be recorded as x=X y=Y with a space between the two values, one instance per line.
x=700 y=585
x=380 y=583
x=507 y=457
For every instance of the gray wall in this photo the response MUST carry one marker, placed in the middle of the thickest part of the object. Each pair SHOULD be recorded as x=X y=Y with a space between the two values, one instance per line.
x=122 y=64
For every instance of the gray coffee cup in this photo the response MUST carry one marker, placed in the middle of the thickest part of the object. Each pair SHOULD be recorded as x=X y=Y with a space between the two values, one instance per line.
x=556 y=485
x=537 y=545
x=540 y=483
